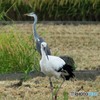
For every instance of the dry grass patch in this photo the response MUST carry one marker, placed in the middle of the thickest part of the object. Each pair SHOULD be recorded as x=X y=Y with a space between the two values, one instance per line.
x=38 y=89
x=78 y=41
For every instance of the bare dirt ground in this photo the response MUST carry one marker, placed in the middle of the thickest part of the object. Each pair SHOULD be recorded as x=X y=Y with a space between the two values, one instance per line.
x=38 y=89
x=82 y=42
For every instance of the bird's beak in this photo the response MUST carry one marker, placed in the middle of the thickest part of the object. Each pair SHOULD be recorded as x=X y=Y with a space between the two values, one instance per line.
x=25 y=14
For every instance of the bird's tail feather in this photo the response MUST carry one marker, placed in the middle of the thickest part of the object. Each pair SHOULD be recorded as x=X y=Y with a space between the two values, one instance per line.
x=69 y=61
x=69 y=69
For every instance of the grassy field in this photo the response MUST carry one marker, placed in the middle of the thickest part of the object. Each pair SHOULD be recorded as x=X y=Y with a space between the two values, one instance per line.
x=78 y=41
x=82 y=42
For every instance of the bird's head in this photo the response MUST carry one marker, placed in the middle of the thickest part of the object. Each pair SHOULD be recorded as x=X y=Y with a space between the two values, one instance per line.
x=43 y=44
x=32 y=14
x=44 y=48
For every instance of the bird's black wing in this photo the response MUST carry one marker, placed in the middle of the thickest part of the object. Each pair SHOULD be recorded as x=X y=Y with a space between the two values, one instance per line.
x=69 y=61
x=67 y=68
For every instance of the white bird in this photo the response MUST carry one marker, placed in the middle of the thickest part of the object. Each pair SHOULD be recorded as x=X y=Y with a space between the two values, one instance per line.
x=54 y=66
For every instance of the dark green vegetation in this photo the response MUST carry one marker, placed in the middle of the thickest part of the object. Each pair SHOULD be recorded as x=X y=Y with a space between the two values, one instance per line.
x=51 y=9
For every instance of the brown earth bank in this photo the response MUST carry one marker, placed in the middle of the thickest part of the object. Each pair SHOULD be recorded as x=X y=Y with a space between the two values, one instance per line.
x=79 y=74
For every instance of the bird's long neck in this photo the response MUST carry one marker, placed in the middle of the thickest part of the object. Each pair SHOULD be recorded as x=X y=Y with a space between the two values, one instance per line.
x=44 y=56
x=34 y=28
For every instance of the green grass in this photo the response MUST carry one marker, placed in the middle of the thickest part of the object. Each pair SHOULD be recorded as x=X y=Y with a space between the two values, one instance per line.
x=65 y=94
x=17 y=53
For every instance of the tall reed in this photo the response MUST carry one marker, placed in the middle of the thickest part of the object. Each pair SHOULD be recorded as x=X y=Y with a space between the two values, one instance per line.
x=17 y=53
x=51 y=9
